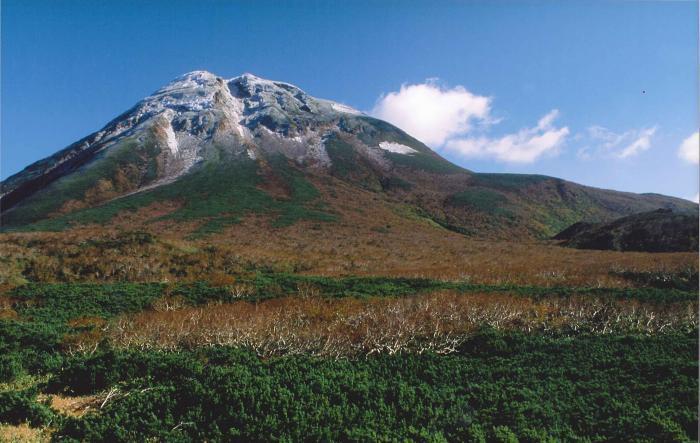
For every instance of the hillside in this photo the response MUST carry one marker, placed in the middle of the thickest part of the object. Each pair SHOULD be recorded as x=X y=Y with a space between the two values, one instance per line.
x=656 y=231
x=206 y=153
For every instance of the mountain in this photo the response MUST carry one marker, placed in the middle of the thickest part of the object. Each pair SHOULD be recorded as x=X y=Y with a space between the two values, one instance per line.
x=205 y=152
x=655 y=231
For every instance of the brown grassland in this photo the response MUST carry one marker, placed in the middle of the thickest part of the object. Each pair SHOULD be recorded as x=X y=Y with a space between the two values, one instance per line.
x=372 y=235
x=91 y=254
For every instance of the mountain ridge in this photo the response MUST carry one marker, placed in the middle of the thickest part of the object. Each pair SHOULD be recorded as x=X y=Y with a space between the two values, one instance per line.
x=184 y=141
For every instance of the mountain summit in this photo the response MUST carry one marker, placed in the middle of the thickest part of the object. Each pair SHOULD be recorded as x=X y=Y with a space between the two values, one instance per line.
x=206 y=151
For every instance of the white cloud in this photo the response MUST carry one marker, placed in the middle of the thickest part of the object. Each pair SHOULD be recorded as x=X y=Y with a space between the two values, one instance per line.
x=444 y=118
x=524 y=146
x=431 y=112
x=689 y=149
x=602 y=142
x=696 y=199
x=640 y=144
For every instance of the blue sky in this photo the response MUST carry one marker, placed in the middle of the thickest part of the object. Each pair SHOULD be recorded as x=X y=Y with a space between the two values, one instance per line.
x=599 y=92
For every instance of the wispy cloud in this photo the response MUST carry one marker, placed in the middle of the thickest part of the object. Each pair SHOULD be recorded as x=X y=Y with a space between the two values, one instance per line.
x=524 y=146
x=600 y=141
x=445 y=119
x=641 y=143
x=689 y=149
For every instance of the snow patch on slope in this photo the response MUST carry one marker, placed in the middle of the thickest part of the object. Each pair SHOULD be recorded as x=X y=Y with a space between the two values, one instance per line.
x=397 y=148
x=338 y=107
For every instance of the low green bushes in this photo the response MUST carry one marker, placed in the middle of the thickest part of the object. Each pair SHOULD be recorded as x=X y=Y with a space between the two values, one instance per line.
x=499 y=387
x=17 y=407
x=57 y=303
x=684 y=280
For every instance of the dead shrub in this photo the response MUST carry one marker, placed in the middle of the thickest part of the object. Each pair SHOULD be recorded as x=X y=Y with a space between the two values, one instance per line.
x=437 y=322
x=241 y=290
x=90 y=331
x=168 y=303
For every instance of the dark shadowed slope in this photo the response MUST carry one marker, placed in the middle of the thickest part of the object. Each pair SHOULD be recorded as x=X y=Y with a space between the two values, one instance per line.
x=656 y=231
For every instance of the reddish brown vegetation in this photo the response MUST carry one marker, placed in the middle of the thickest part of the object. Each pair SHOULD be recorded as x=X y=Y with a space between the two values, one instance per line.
x=7 y=312
x=24 y=433
x=384 y=248
x=368 y=238
x=436 y=322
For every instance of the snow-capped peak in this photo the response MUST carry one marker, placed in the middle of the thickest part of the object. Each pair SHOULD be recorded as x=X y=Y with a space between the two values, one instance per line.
x=200 y=114
x=200 y=109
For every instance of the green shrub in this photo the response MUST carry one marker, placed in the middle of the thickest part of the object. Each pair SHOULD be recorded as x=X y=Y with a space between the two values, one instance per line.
x=509 y=181
x=480 y=199
x=10 y=367
x=684 y=280
x=500 y=387
x=424 y=161
x=22 y=407
x=503 y=434
x=52 y=303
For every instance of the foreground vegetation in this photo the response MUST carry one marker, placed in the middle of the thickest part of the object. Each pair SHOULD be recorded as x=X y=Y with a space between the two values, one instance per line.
x=266 y=356
x=128 y=336
x=496 y=387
